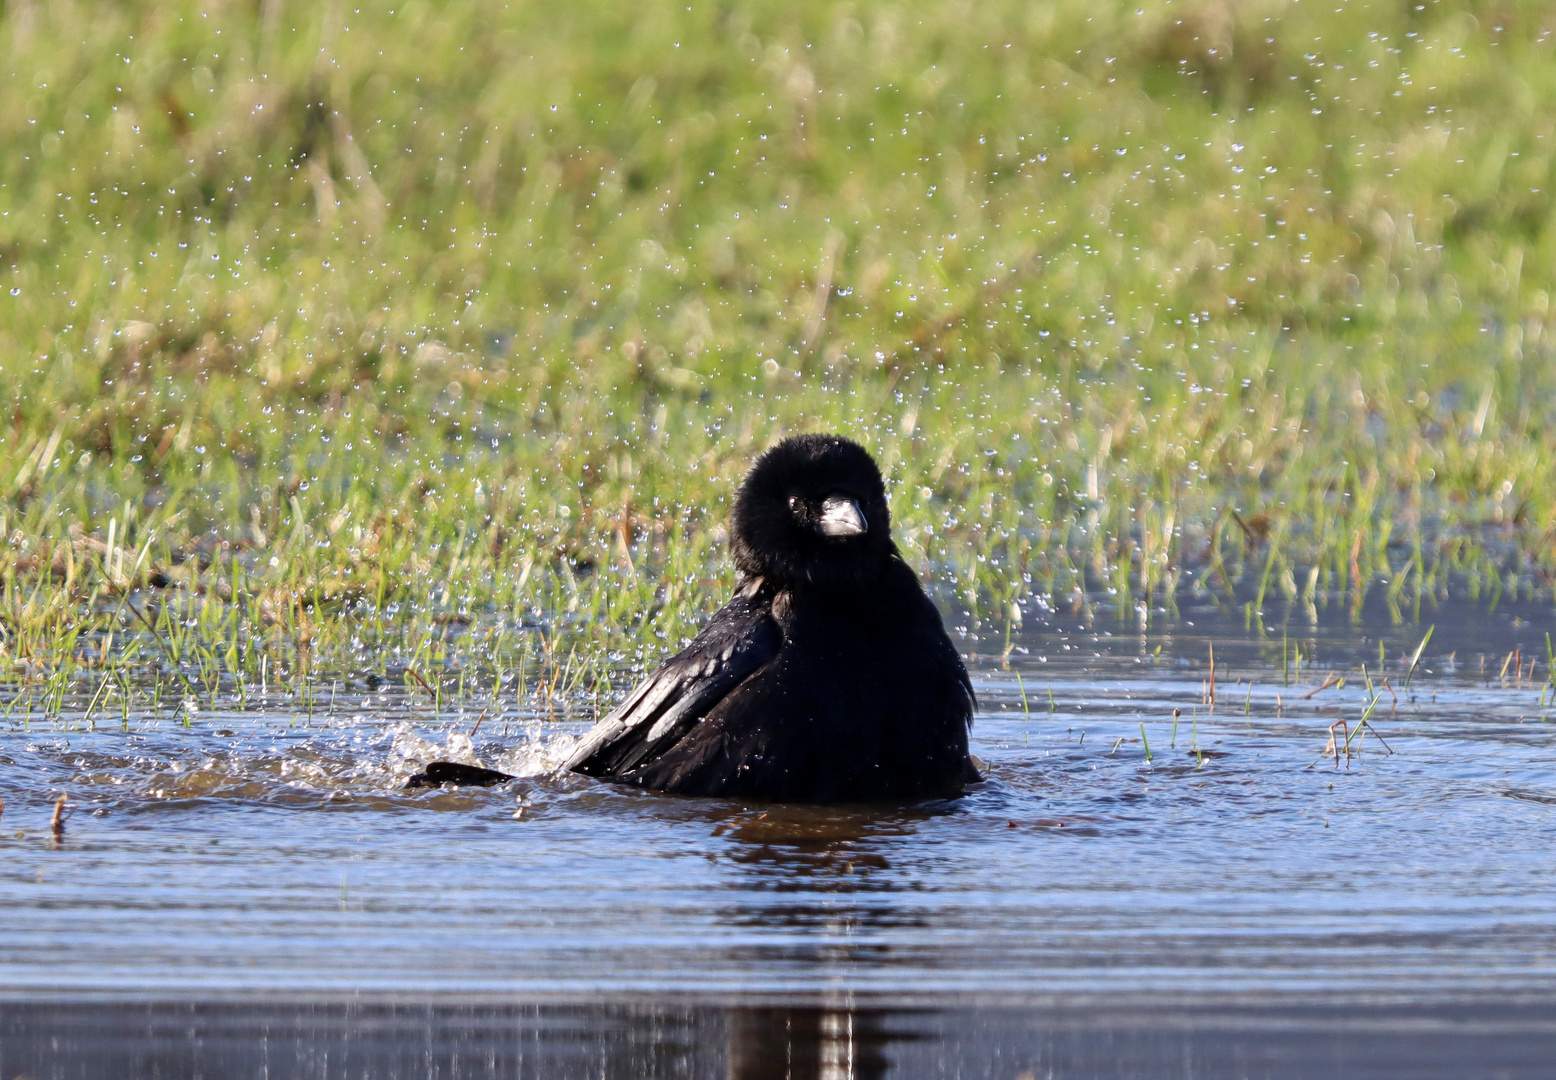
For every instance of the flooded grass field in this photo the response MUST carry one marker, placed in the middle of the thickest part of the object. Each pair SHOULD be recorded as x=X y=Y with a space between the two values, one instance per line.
x=376 y=383
x=1148 y=883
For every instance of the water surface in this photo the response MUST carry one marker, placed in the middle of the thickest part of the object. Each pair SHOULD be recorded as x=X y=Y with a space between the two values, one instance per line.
x=1239 y=878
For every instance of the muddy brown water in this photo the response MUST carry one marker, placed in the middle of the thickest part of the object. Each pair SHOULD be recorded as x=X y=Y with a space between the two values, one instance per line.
x=256 y=895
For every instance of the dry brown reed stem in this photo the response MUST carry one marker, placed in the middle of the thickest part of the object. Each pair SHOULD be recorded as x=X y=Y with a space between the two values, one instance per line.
x=1368 y=725
x=413 y=673
x=57 y=822
x=477 y=726
x=1329 y=680
x=1334 y=747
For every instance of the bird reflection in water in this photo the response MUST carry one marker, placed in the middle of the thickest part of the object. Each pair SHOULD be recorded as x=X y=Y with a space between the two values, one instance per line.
x=799 y=848
x=808 y=1044
x=828 y=851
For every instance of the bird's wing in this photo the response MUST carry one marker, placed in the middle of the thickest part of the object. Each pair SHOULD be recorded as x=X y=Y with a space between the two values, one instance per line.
x=966 y=681
x=740 y=638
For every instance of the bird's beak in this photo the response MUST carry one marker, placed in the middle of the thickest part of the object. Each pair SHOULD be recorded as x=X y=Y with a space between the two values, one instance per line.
x=841 y=516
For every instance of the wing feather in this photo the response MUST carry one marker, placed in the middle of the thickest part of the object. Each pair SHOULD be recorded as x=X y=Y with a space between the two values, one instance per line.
x=741 y=638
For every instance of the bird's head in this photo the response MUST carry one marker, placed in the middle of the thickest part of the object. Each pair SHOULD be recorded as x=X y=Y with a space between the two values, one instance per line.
x=812 y=511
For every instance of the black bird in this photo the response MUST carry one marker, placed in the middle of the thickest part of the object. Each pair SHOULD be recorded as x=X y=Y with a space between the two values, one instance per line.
x=828 y=678
x=453 y=772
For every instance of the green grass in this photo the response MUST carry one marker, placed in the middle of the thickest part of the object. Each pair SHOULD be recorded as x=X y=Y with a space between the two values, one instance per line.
x=351 y=340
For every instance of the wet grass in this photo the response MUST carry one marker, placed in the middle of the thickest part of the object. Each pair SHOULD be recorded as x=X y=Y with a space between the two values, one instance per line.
x=428 y=344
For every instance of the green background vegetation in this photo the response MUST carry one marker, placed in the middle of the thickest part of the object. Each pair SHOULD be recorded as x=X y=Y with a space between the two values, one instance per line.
x=329 y=331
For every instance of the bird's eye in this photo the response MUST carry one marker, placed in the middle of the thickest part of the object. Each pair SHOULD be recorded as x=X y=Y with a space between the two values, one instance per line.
x=794 y=503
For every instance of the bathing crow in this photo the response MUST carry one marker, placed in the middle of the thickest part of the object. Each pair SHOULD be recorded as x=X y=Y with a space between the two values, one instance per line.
x=460 y=775
x=828 y=678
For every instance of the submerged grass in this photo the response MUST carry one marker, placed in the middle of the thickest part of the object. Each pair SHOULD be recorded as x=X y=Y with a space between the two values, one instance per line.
x=432 y=339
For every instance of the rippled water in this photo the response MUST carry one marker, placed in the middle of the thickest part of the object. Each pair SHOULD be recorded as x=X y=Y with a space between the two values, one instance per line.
x=1239 y=872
